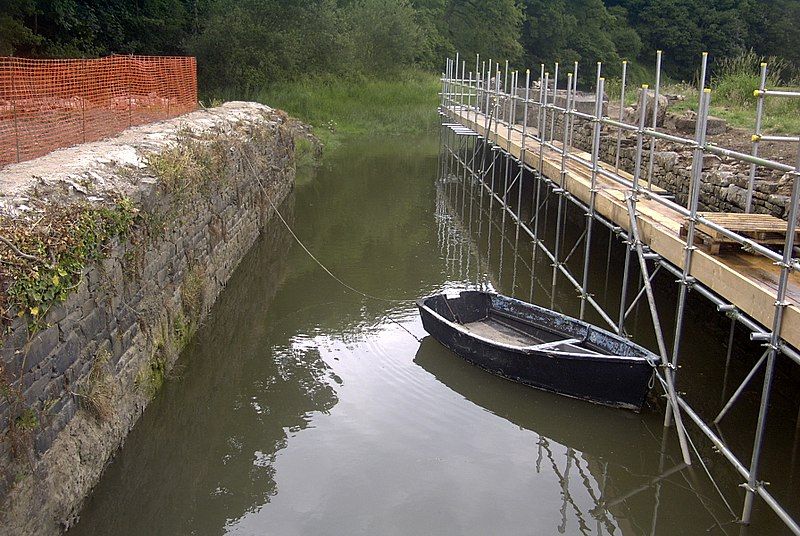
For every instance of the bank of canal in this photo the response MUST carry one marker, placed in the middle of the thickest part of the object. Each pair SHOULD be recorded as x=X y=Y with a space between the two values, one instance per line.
x=303 y=408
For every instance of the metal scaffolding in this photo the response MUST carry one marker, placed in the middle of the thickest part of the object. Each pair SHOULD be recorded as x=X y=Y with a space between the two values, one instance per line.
x=494 y=152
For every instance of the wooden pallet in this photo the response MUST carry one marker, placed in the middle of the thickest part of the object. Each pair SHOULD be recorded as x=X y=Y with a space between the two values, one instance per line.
x=761 y=228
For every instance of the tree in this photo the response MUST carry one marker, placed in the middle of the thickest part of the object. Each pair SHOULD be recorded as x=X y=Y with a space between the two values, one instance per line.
x=14 y=34
x=579 y=30
x=491 y=28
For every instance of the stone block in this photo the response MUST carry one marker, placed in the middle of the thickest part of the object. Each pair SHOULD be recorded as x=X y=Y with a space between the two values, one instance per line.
x=56 y=313
x=779 y=200
x=711 y=161
x=35 y=392
x=67 y=355
x=18 y=337
x=41 y=345
x=92 y=324
x=716 y=125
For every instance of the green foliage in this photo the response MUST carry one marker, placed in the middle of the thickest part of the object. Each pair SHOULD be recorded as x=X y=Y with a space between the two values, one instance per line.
x=23 y=420
x=248 y=44
x=406 y=103
x=151 y=376
x=85 y=27
x=190 y=166
x=193 y=298
x=243 y=46
x=491 y=28
x=565 y=32
x=626 y=40
x=49 y=257
x=735 y=78
x=14 y=34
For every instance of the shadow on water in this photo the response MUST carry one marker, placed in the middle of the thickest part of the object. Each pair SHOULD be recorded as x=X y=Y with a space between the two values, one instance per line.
x=204 y=448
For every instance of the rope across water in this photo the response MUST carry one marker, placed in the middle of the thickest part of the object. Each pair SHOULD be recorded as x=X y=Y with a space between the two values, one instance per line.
x=318 y=262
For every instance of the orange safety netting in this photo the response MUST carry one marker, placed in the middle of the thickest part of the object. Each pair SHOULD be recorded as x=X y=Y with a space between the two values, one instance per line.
x=47 y=104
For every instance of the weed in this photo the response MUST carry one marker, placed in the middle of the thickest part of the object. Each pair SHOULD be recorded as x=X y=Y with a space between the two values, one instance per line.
x=193 y=295
x=97 y=392
x=50 y=257
x=191 y=166
x=22 y=420
x=733 y=81
x=305 y=153
x=736 y=77
x=151 y=376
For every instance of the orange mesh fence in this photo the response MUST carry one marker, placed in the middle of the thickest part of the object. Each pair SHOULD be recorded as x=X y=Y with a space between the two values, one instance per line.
x=47 y=104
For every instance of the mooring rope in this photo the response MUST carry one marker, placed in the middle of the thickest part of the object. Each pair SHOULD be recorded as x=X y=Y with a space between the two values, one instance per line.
x=316 y=260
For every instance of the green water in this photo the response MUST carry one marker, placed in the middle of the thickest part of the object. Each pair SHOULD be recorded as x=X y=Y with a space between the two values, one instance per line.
x=304 y=408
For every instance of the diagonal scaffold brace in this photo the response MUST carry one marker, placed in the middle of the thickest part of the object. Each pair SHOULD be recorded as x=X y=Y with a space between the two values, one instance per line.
x=669 y=372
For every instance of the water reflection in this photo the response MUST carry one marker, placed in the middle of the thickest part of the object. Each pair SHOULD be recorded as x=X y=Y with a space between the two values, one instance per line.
x=204 y=450
x=304 y=408
x=595 y=453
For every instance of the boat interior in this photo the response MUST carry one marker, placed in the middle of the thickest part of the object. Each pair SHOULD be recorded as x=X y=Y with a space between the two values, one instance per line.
x=475 y=312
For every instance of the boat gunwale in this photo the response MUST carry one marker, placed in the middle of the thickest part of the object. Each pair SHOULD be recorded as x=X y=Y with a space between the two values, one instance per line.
x=648 y=358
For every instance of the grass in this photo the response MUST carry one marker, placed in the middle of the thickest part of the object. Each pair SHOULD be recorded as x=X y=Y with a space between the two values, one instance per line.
x=97 y=393
x=732 y=84
x=403 y=103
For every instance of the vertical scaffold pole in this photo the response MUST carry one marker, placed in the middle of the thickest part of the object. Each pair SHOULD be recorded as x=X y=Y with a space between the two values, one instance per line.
x=493 y=131
x=628 y=240
x=448 y=102
x=471 y=183
x=703 y=71
x=486 y=77
x=686 y=281
x=657 y=90
x=598 y=113
x=774 y=343
x=505 y=98
x=538 y=179
x=621 y=112
x=555 y=101
x=574 y=95
x=477 y=70
x=701 y=86
x=444 y=83
x=509 y=108
x=469 y=94
x=756 y=137
x=456 y=85
x=445 y=158
x=631 y=200
x=561 y=191
x=543 y=123
x=462 y=85
x=520 y=174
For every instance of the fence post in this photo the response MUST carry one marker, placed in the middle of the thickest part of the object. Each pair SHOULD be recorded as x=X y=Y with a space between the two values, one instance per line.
x=83 y=99
x=14 y=105
x=130 y=91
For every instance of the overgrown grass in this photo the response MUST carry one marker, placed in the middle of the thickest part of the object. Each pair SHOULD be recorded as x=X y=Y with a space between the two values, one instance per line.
x=732 y=81
x=404 y=103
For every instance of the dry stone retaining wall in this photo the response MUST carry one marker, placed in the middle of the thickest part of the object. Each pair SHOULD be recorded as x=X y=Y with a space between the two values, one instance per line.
x=117 y=335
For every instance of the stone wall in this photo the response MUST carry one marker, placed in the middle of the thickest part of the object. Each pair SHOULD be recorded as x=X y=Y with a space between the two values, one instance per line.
x=202 y=188
x=724 y=180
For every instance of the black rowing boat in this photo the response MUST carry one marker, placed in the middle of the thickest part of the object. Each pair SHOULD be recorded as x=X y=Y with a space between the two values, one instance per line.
x=540 y=347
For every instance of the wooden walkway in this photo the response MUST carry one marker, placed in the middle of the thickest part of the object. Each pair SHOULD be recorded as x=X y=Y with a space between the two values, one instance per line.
x=747 y=281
